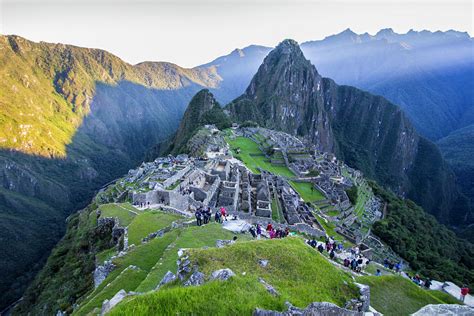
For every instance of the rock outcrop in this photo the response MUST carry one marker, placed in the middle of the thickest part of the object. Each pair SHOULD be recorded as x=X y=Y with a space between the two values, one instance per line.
x=222 y=275
x=313 y=309
x=445 y=310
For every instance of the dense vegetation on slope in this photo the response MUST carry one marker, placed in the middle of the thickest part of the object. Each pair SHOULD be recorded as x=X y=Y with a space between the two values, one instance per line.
x=431 y=249
x=458 y=150
x=67 y=274
x=71 y=120
x=365 y=131
x=395 y=295
x=202 y=110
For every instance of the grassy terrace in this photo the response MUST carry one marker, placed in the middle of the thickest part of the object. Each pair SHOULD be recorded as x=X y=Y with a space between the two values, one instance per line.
x=251 y=155
x=277 y=214
x=305 y=190
x=299 y=273
x=125 y=212
x=147 y=223
x=192 y=237
x=394 y=295
x=152 y=259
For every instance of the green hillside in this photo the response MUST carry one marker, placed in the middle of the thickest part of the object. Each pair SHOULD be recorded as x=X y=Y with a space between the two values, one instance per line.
x=71 y=120
x=298 y=273
x=394 y=295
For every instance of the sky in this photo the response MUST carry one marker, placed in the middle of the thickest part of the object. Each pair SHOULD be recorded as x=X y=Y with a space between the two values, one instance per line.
x=194 y=32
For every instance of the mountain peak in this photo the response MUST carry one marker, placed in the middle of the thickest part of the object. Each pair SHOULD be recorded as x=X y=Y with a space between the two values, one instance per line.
x=287 y=47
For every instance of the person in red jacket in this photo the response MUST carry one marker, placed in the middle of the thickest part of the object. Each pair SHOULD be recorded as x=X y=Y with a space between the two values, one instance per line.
x=464 y=292
x=269 y=227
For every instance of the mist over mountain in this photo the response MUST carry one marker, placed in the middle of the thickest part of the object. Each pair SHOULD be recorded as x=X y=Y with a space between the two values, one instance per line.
x=428 y=74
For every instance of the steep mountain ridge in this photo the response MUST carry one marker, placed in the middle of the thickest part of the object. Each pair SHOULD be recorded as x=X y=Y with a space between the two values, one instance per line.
x=423 y=72
x=202 y=109
x=366 y=131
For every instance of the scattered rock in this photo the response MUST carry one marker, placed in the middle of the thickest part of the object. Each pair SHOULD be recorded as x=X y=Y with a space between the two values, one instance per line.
x=317 y=308
x=222 y=274
x=445 y=309
x=168 y=278
x=269 y=288
x=180 y=252
x=196 y=279
x=102 y=271
x=263 y=263
x=108 y=305
x=222 y=243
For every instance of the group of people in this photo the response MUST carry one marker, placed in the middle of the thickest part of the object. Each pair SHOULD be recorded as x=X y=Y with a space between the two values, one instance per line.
x=204 y=214
x=142 y=204
x=393 y=266
x=256 y=231
x=330 y=246
x=356 y=264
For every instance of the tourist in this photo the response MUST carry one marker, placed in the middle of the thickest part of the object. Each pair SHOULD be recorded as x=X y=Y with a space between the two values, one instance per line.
x=353 y=264
x=312 y=243
x=217 y=216
x=198 y=215
x=428 y=284
x=272 y=234
x=398 y=267
x=378 y=272
x=331 y=254
x=340 y=247
x=347 y=262
x=252 y=231
x=287 y=233
x=464 y=292
x=224 y=213
x=320 y=248
x=259 y=231
x=385 y=263
x=205 y=217
x=269 y=227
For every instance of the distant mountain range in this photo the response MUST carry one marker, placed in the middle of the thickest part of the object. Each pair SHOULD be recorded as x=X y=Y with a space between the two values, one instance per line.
x=73 y=119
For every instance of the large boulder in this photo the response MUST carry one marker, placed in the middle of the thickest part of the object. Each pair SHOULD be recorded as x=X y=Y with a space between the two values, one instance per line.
x=222 y=243
x=102 y=271
x=445 y=309
x=196 y=279
x=313 y=309
x=109 y=304
x=168 y=278
x=222 y=274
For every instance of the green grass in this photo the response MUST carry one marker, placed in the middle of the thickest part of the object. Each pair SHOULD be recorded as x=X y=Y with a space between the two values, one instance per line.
x=144 y=256
x=238 y=296
x=298 y=273
x=253 y=157
x=305 y=191
x=192 y=237
x=122 y=212
x=148 y=222
x=173 y=186
x=128 y=280
x=276 y=212
x=394 y=295
x=105 y=255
